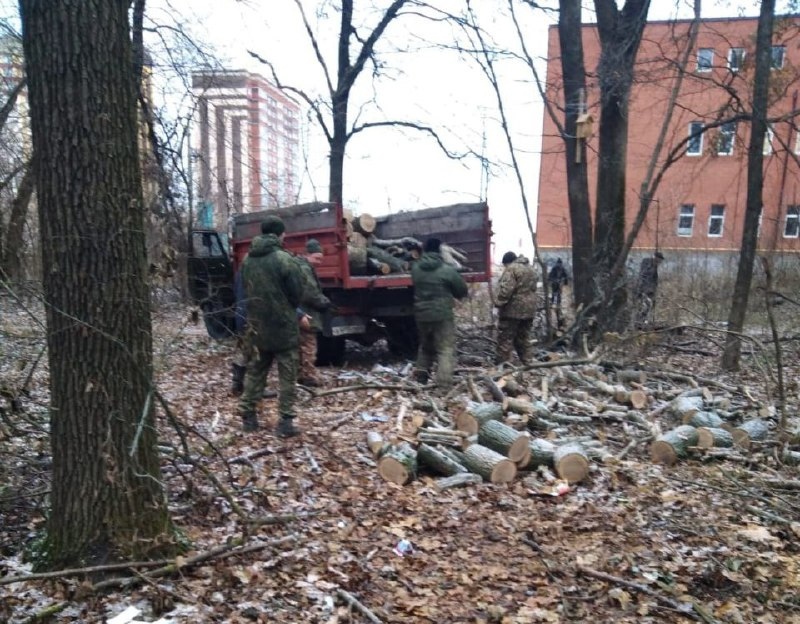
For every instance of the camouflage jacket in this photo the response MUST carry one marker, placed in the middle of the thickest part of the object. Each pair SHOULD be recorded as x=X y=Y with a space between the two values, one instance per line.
x=436 y=285
x=516 y=290
x=313 y=301
x=273 y=284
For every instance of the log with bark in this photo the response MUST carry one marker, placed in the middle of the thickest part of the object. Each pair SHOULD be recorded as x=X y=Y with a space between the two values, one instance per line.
x=541 y=453
x=446 y=437
x=476 y=414
x=457 y=480
x=673 y=444
x=437 y=461
x=505 y=440
x=377 y=445
x=703 y=419
x=686 y=406
x=398 y=464
x=748 y=431
x=376 y=253
x=571 y=462
x=710 y=437
x=489 y=464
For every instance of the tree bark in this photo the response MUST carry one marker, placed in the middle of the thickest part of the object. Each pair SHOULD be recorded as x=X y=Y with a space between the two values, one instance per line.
x=13 y=245
x=755 y=183
x=107 y=500
x=506 y=440
x=673 y=445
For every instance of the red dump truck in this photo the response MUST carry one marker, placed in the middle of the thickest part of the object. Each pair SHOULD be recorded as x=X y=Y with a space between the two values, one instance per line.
x=367 y=307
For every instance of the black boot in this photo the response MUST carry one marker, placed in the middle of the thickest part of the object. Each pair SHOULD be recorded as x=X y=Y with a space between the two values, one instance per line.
x=249 y=422
x=237 y=381
x=286 y=428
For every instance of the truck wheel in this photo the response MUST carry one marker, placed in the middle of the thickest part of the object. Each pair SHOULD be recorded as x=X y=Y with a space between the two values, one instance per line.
x=401 y=337
x=219 y=324
x=330 y=350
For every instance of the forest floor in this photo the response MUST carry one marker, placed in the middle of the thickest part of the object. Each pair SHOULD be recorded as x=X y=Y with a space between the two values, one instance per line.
x=301 y=526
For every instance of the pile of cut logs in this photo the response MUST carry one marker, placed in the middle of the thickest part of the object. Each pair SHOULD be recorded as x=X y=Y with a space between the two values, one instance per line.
x=369 y=255
x=501 y=430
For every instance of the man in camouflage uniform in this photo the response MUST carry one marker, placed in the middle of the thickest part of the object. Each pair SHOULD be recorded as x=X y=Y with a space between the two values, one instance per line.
x=314 y=303
x=436 y=286
x=516 y=303
x=273 y=284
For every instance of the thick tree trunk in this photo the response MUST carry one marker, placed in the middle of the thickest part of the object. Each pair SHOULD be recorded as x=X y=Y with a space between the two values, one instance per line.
x=13 y=247
x=755 y=183
x=107 y=499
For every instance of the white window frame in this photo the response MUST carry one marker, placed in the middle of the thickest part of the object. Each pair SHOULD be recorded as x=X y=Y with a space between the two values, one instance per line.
x=707 y=64
x=724 y=130
x=772 y=63
x=699 y=151
x=797 y=141
x=685 y=211
x=736 y=53
x=792 y=216
x=769 y=137
x=712 y=218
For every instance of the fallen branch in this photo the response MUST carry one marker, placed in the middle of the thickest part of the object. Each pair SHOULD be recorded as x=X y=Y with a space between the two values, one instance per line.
x=39 y=576
x=354 y=602
x=402 y=387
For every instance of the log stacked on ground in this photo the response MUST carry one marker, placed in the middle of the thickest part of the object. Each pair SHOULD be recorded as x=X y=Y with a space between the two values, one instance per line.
x=748 y=431
x=571 y=462
x=477 y=414
x=673 y=444
x=505 y=440
x=398 y=464
x=491 y=465
x=439 y=462
x=710 y=437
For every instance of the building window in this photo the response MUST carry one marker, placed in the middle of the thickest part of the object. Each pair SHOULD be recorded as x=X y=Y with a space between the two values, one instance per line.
x=792 y=227
x=727 y=132
x=778 y=54
x=735 y=59
x=769 y=136
x=717 y=220
x=695 y=145
x=705 y=59
x=686 y=220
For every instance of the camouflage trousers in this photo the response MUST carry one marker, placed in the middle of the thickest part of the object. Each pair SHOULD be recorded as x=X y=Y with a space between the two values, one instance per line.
x=308 y=353
x=256 y=379
x=514 y=335
x=245 y=351
x=437 y=343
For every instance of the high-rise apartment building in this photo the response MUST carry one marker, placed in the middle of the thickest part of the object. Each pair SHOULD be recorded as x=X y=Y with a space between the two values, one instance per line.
x=246 y=141
x=699 y=206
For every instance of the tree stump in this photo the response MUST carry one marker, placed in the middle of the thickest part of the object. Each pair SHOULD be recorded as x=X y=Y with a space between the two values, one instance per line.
x=438 y=462
x=503 y=439
x=710 y=437
x=571 y=462
x=703 y=419
x=673 y=444
x=748 y=431
x=476 y=414
x=398 y=464
x=489 y=464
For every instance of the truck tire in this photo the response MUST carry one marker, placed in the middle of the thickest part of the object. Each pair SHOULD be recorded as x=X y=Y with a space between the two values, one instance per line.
x=330 y=350
x=401 y=336
x=219 y=322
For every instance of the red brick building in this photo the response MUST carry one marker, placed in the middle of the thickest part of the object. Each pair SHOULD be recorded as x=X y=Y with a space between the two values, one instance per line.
x=700 y=204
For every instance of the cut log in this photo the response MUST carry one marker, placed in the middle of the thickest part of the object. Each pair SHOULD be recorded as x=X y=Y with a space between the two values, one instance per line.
x=505 y=440
x=686 y=406
x=511 y=387
x=476 y=414
x=457 y=480
x=521 y=406
x=791 y=457
x=364 y=223
x=571 y=462
x=703 y=419
x=710 y=437
x=374 y=267
x=635 y=398
x=541 y=453
x=357 y=239
x=376 y=443
x=398 y=464
x=673 y=444
x=357 y=259
x=495 y=389
x=376 y=253
x=438 y=462
x=631 y=375
x=489 y=464
x=748 y=431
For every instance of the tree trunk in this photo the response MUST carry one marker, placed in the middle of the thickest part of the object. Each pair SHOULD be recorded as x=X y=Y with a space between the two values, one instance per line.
x=106 y=500
x=574 y=77
x=755 y=183
x=13 y=247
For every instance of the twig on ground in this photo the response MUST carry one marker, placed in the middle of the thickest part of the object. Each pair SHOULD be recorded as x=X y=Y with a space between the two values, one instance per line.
x=354 y=602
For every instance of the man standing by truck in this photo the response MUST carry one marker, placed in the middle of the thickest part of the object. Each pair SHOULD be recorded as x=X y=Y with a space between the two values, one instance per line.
x=273 y=283
x=313 y=304
x=436 y=287
x=516 y=303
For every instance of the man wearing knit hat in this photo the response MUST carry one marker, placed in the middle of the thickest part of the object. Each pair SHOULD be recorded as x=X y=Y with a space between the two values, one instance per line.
x=313 y=304
x=516 y=304
x=273 y=284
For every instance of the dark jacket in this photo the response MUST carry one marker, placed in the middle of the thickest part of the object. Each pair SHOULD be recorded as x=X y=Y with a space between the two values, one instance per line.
x=516 y=290
x=648 y=278
x=274 y=286
x=436 y=285
x=313 y=301
x=558 y=275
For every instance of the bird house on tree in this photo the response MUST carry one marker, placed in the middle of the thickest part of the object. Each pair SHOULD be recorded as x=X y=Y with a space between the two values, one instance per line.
x=585 y=126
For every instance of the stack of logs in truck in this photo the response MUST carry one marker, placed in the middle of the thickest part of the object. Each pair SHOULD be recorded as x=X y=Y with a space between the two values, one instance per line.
x=365 y=267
